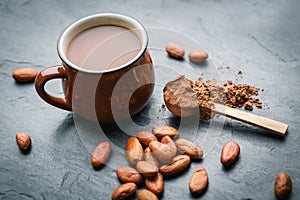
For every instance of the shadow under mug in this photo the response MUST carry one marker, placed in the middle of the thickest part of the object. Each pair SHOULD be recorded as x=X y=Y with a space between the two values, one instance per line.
x=106 y=95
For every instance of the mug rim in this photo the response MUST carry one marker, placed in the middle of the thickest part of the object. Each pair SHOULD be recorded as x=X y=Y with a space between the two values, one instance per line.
x=67 y=31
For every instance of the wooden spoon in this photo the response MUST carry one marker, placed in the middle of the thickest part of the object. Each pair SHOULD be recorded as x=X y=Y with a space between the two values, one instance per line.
x=181 y=100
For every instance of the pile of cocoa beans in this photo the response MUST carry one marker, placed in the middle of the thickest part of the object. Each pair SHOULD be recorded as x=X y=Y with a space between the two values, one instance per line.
x=152 y=157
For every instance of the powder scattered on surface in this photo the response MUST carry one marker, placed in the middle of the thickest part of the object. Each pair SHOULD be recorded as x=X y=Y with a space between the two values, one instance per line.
x=241 y=95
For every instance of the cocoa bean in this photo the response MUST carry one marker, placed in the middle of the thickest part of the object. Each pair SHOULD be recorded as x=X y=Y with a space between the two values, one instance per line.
x=189 y=148
x=283 y=186
x=101 y=154
x=129 y=174
x=199 y=181
x=124 y=191
x=146 y=137
x=155 y=184
x=198 y=55
x=24 y=75
x=179 y=163
x=146 y=195
x=146 y=168
x=175 y=51
x=161 y=131
x=167 y=140
x=148 y=156
x=163 y=152
x=134 y=151
x=230 y=153
x=24 y=141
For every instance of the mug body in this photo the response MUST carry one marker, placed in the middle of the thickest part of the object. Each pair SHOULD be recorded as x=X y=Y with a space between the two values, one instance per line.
x=107 y=97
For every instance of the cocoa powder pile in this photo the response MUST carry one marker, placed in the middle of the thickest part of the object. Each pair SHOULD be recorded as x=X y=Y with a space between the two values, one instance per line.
x=229 y=94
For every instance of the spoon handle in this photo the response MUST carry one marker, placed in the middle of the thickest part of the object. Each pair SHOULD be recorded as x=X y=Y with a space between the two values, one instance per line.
x=269 y=124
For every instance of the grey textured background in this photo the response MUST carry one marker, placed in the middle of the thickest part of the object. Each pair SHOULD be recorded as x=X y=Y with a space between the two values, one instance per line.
x=261 y=38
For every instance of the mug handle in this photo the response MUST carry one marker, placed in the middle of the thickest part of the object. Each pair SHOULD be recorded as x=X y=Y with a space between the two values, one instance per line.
x=46 y=75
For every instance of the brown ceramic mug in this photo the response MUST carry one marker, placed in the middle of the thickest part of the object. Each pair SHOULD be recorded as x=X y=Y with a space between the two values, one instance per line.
x=103 y=95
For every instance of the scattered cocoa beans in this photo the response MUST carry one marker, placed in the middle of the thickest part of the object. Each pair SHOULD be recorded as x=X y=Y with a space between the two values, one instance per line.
x=175 y=51
x=24 y=75
x=161 y=131
x=134 y=151
x=101 y=154
x=189 y=148
x=283 y=186
x=230 y=153
x=155 y=184
x=146 y=137
x=199 y=181
x=146 y=168
x=146 y=195
x=198 y=55
x=129 y=174
x=179 y=163
x=24 y=141
x=124 y=191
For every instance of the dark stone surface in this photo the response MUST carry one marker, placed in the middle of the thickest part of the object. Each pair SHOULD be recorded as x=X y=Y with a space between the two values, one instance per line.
x=261 y=38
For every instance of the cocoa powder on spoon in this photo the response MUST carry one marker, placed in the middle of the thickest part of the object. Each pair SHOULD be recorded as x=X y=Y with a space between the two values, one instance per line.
x=184 y=96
